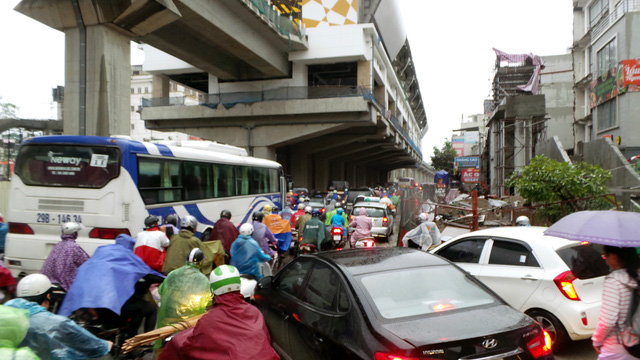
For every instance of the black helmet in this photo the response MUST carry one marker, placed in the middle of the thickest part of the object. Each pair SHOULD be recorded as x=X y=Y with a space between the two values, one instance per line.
x=171 y=219
x=258 y=216
x=315 y=212
x=275 y=209
x=195 y=256
x=225 y=214
x=151 y=221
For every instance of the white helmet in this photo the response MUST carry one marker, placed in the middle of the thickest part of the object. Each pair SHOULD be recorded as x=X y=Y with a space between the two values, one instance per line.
x=300 y=206
x=523 y=221
x=70 y=228
x=308 y=209
x=423 y=216
x=224 y=279
x=189 y=221
x=246 y=229
x=33 y=285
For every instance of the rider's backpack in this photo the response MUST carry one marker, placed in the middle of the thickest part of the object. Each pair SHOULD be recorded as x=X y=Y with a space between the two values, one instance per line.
x=630 y=335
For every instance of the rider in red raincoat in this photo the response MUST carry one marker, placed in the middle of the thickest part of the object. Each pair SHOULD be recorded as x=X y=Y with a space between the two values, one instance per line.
x=232 y=330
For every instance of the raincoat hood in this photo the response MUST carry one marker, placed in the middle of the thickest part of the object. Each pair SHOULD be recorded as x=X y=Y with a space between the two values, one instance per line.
x=362 y=211
x=14 y=324
x=69 y=237
x=622 y=276
x=126 y=240
x=30 y=306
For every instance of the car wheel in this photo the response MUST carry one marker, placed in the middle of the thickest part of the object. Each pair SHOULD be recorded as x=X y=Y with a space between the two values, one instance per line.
x=553 y=326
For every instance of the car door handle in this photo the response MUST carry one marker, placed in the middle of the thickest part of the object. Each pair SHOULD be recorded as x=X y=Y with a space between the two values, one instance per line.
x=319 y=339
x=528 y=277
x=283 y=311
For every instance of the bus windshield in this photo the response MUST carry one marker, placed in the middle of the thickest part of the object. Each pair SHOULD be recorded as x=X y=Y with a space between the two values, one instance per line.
x=67 y=165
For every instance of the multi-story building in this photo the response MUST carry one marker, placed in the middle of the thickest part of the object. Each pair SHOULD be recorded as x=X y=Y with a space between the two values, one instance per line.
x=606 y=65
x=141 y=87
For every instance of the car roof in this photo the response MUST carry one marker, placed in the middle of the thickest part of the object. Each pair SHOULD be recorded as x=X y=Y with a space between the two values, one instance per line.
x=533 y=235
x=363 y=261
x=369 y=204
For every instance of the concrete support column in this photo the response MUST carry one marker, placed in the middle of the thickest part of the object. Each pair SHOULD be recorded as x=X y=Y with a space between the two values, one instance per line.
x=364 y=74
x=214 y=85
x=161 y=86
x=108 y=86
x=321 y=178
x=300 y=171
x=520 y=143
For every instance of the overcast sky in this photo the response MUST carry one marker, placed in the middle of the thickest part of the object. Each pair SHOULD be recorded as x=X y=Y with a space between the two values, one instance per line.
x=451 y=44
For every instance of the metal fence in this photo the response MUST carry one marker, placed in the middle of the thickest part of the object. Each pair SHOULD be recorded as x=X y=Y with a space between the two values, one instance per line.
x=284 y=23
x=605 y=22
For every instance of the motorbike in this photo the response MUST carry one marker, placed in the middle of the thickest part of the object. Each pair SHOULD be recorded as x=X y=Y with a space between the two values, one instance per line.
x=248 y=282
x=305 y=248
x=367 y=242
x=337 y=238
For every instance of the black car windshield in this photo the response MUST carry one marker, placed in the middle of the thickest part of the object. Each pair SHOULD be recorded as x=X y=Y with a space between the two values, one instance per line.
x=316 y=200
x=371 y=211
x=422 y=291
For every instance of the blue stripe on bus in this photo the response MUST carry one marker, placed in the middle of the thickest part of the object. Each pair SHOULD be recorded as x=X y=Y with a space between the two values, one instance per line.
x=195 y=212
x=165 y=151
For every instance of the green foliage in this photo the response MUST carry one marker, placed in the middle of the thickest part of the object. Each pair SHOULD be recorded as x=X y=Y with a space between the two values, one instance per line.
x=546 y=181
x=443 y=159
x=7 y=110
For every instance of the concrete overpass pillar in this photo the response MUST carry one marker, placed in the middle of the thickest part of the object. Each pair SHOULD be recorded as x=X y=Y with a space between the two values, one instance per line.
x=161 y=86
x=108 y=84
x=365 y=74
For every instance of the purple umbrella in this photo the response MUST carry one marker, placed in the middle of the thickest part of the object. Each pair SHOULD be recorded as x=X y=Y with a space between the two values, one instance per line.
x=614 y=228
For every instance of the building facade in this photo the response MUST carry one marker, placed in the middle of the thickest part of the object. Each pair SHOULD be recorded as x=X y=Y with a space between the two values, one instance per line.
x=606 y=53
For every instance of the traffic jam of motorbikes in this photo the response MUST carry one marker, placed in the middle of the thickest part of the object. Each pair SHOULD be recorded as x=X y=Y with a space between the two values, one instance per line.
x=325 y=277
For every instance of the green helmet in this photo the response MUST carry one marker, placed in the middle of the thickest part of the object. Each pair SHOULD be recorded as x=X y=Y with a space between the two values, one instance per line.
x=224 y=279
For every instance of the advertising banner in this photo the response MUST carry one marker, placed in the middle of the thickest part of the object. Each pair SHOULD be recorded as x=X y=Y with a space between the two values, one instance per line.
x=470 y=175
x=625 y=77
x=467 y=162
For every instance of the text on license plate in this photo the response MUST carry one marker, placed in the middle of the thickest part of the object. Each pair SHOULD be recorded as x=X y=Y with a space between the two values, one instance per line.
x=46 y=218
x=337 y=237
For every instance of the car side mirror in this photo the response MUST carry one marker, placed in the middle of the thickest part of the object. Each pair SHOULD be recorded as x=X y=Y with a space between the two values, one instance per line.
x=265 y=282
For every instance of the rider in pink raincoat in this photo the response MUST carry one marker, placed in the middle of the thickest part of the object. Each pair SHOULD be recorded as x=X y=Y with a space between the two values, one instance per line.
x=363 y=225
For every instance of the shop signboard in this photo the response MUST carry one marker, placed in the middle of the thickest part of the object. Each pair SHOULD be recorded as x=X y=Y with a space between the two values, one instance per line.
x=470 y=175
x=467 y=162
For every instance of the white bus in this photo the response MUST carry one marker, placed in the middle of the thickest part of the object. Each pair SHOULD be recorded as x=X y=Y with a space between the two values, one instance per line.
x=111 y=185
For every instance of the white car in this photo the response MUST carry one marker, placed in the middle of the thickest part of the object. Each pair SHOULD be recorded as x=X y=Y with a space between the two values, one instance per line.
x=536 y=274
x=381 y=218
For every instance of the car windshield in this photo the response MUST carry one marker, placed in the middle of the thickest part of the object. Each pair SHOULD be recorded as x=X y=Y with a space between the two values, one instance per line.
x=584 y=260
x=317 y=201
x=421 y=291
x=353 y=194
x=371 y=211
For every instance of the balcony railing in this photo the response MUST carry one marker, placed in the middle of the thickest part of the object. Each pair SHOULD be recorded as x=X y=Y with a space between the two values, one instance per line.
x=605 y=22
x=284 y=23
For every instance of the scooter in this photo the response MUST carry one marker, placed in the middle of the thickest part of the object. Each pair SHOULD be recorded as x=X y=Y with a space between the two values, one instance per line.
x=248 y=282
x=337 y=238
x=367 y=242
x=305 y=248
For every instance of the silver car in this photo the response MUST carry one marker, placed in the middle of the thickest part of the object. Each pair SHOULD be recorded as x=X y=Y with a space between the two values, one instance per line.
x=380 y=215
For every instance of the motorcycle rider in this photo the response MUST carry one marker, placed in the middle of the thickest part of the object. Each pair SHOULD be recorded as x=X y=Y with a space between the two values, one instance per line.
x=53 y=336
x=170 y=226
x=224 y=230
x=181 y=245
x=314 y=230
x=362 y=224
x=150 y=244
x=423 y=236
x=287 y=214
x=297 y=214
x=231 y=330
x=262 y=235
x=184 y=293
x=523 y=221
x=266 y=210
x=65 y=258
x=302 y=220
x=246 y=254
x=338 y=220
x=335 y=211
x=15 y=324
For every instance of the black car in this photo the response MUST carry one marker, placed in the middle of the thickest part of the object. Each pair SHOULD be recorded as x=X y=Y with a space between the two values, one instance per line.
x=391 y=303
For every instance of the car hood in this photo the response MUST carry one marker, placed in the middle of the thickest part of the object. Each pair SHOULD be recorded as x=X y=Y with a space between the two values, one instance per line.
x=459 y=325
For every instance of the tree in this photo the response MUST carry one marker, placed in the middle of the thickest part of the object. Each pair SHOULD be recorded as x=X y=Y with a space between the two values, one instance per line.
x=7 y=110
x=546 y=181
x=444 y=159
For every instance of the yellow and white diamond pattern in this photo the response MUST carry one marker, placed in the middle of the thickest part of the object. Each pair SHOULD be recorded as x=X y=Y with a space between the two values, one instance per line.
x=317 y=13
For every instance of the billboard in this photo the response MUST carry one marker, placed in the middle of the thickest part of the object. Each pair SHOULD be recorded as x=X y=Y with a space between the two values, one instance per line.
x=625 y=77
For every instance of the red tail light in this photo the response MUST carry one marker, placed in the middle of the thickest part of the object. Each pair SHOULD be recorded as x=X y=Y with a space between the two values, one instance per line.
x=541 y=345
x=387 y=356
x=322 y=211
x=385 y=221
x=20 y=228
x=368 y=243
x=350 y=217
x=105 y=233
x=564 y=282
x=337 y=231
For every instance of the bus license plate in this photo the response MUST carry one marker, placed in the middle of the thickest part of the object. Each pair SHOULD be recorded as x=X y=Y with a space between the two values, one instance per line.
x=46 y=218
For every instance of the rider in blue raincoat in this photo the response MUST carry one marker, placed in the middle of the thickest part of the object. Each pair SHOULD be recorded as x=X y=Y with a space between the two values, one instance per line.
x=49 y=335
x=338 y=220
x=246 y=254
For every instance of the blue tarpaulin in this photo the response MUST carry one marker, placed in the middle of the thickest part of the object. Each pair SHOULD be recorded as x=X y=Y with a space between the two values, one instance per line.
x=441 y=177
